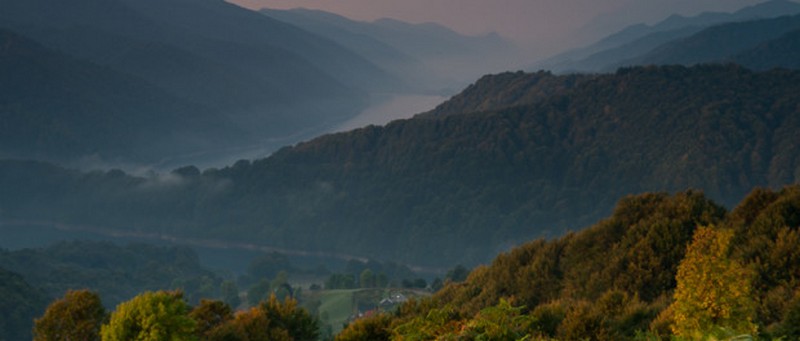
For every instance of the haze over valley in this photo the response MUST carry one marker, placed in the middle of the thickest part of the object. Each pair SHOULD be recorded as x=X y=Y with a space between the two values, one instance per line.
x=374 y=170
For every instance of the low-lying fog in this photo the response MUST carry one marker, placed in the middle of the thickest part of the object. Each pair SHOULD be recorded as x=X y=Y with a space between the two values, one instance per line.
x=384 y=109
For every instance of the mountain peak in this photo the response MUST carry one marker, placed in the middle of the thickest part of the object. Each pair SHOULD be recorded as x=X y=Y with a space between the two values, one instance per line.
x=770 y=6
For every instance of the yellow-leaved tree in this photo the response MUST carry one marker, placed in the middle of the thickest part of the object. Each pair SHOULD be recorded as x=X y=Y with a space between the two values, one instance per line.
x=151 y=316
x=713 y=294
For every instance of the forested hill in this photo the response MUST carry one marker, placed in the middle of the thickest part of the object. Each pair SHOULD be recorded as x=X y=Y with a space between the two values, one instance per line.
x=185 y=77
x=546 y=154
x=20 y=303
x=660 y=265
x=58 y=107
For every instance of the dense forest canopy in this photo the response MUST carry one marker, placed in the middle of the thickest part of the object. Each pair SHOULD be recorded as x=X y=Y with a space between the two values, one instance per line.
x=20 y=303
x=115 y=271
x=534 y=155
x=660 y=265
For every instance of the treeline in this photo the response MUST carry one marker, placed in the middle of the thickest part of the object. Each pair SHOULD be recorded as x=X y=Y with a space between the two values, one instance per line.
x=515 y=157
x=29 y=278
x=20 y=303
x=661 y=266
x=115 y=272
x=165 y=315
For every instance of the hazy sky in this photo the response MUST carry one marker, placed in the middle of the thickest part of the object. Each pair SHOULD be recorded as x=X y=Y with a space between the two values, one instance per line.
x=547 y=23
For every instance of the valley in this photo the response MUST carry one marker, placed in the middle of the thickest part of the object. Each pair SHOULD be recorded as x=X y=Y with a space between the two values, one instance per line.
x=383 y=109
x=297 y=174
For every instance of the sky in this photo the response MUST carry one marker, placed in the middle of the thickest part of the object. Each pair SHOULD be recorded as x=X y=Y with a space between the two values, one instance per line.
x=546 y=25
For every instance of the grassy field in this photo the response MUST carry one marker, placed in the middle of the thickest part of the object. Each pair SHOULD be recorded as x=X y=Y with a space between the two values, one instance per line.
x=336 y=307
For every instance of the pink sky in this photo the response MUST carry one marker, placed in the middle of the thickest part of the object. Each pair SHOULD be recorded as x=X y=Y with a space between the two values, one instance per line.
x=530 y=22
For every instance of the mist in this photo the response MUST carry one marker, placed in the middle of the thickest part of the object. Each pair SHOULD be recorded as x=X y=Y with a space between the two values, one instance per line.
x=541 y=28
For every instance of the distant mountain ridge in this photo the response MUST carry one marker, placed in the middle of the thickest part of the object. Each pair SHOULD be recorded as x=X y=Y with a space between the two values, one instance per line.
x=785 y=51
x=268 y=78
x=428 y=56
x=636 y=40
x=514 y=157
x=721 y=43
x=54 y=106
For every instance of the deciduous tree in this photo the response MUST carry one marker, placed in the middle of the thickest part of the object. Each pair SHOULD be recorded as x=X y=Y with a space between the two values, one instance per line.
x=713 y=292
x=77 y=316
x=151 y=316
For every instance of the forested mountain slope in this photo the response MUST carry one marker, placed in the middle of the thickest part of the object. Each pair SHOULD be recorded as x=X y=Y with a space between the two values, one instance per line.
x=617 y=279
x=115 y=272
x=269 y=78
x=722 y=43
x=20 y=303
x=783 y=51
x=29 y=278
x=545 y=154
x=57 y=107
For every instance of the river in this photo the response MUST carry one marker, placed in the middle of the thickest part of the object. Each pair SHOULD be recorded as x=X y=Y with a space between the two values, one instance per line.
x=219 y=255
x=390 y=108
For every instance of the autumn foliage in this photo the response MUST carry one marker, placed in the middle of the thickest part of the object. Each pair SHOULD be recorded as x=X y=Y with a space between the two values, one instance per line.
x=661 y=266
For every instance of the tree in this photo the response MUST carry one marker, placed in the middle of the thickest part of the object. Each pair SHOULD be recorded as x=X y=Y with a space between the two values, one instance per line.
x=270 y=321
x=230 y=293
x=287 y=315
x=457 y=274
x=789 y=328
x=210 y=315
x=713 y=293
x=77 y=316
x=268 y=266
x=340 y=281
x=381 y=281
x=437 y=284
x=376 y=327
x=501 y=322
x=151 y=316
x=367 y=279
x=258 y=292
x=436 y=324
x=251 y=325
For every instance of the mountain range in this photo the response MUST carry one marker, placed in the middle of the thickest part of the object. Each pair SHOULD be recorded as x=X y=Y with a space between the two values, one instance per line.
x=426 y=56
x=723 y=43
x=644 y=44
x=54 y=104
x=234 y=77
x=514 y=157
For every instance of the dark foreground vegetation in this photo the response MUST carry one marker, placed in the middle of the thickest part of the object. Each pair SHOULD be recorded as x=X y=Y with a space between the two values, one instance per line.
x=116 y=273
x=660 y=266
x=164 y=315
